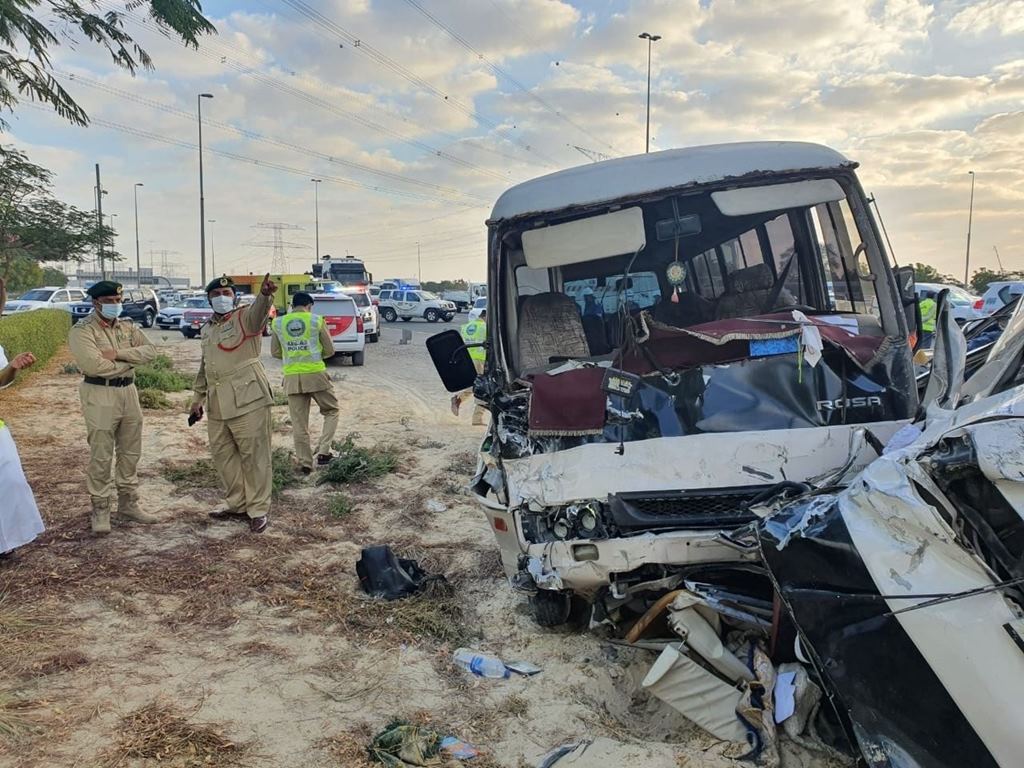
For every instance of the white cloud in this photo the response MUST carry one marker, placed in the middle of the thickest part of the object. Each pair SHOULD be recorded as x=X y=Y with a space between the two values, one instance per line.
x=1005 y=17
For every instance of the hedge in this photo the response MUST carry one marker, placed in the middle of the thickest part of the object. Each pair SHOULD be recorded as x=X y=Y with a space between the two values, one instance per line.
x=40 y=331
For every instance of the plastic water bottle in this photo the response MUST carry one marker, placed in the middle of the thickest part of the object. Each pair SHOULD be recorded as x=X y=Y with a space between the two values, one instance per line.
x=481 y=664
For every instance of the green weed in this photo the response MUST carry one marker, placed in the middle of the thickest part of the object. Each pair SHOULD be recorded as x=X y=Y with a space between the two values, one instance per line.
x=283 y=469
x=154 y=400
x=339 y=506
x=198 y=474
x=160 y=375
x=356 y=464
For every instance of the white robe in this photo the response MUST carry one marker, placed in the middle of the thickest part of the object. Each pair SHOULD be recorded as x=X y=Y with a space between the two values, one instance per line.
x=19 y=517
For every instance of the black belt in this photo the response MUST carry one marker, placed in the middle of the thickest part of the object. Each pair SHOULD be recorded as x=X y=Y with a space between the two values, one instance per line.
x=125 y=382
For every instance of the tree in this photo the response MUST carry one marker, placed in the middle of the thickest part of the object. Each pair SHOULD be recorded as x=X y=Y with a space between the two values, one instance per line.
x=36 y=227
x=925 y=273
x=25 y=42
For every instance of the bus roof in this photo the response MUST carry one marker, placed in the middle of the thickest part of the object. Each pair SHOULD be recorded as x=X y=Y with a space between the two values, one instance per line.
x=625 y=177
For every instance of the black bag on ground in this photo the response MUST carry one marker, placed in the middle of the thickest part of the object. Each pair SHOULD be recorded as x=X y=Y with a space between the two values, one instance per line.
x=383 y=574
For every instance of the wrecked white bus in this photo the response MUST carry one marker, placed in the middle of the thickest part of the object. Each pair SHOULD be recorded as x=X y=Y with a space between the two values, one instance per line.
x=673 y=337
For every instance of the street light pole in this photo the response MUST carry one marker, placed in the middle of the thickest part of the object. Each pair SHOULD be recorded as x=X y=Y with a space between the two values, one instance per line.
x=213 y=251
x=113 y=243
x=202 y=199
x=970 y=219
x=99 y=221
x=138 y=257
x=651 y=39
x=316 y=206
x=419 y=265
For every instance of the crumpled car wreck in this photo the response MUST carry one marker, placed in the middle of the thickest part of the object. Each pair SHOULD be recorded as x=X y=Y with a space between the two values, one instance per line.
x=707 y=432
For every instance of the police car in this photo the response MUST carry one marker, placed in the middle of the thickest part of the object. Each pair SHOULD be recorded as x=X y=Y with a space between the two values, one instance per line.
x=344 y=322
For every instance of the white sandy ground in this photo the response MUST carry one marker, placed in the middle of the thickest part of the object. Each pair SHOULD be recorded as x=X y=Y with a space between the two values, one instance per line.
x=277 y=681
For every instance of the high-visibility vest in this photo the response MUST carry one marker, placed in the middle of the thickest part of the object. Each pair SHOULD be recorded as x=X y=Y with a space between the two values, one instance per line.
x=299 y=334
x=475 y=332
x=928 y=310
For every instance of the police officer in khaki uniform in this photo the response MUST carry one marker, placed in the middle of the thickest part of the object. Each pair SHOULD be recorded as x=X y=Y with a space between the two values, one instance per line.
x=107 y=350
x=233 y=386
x=302 y=341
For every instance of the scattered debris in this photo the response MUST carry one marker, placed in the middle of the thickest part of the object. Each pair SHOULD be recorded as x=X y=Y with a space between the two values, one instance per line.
x=481 y=664
x=401 y=744
x=384 y=574
x=524 y=668
x=436 y=507
x=458 y=749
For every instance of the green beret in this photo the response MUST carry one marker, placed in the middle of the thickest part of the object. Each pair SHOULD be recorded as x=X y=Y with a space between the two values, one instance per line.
x=105 y=288
x=220 y=282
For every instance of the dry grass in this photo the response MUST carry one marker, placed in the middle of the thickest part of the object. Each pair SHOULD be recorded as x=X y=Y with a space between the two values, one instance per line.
x=349 y=749
x=161 y=733
x=16 y=714
x=64 y=661
x=27 y=633
x=195 y=474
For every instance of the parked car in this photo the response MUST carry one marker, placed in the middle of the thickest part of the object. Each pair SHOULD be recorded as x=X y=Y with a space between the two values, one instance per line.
x=49 y=297
x=598 y=480
x=964 y=306
x=345 y=323
x=406 y=305
x=140 y=306
x=194 y=318
x=371 y=314
x=464 y=299
x=170 y=317
x=478 y=306
x=999 y=294
x=247 y=298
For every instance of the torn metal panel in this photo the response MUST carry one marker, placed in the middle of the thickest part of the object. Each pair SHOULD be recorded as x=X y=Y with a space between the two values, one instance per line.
x=672 y=463
x=615 y=556
x=700 y=696
x=894 y=533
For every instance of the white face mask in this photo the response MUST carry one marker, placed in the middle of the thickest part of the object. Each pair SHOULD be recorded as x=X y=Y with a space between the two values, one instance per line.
x=222 y=304
x=110 y=311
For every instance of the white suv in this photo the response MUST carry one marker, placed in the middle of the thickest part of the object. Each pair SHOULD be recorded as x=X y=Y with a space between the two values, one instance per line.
x=999 y=294
x=50 y=297
x=344 y=322
x=419 y=303
x=371 y=315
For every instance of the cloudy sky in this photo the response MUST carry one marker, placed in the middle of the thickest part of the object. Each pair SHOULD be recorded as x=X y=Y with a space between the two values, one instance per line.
x=416 y=114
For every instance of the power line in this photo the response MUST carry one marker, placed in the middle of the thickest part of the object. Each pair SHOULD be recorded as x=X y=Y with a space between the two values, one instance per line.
x=139 y=133
x=500 y=72
x=208 y=51
x=333 y=28
x=255 y=136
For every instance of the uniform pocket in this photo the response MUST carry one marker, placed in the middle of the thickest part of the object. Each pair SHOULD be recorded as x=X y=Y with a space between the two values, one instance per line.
x=248 y=391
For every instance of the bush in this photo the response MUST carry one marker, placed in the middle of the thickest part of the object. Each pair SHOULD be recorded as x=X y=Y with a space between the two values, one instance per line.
x=283 y=471
x=154 y=400
x=160 y=375
x=41 y=332
x=197 y=474
x=354 y=464
x=339 y=506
